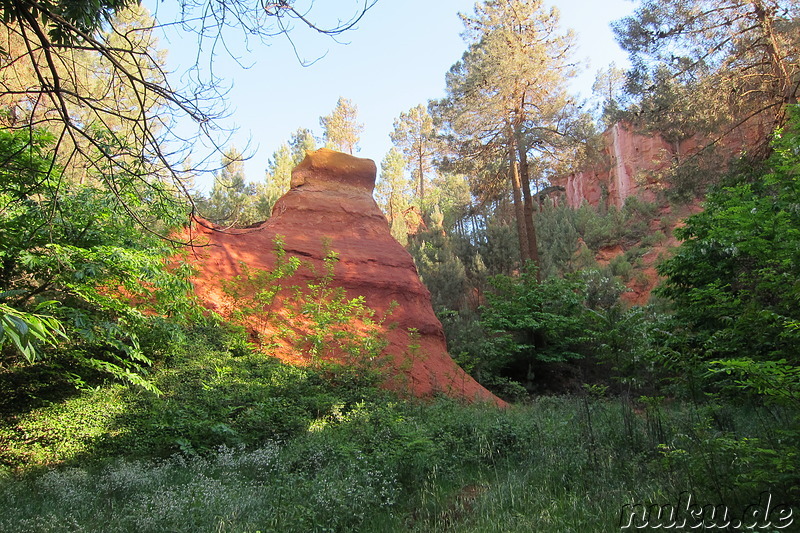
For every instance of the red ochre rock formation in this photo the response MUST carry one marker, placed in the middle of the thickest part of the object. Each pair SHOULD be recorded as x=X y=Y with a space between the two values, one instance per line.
x=330 y=207
x=635 y=162
x=634 y=165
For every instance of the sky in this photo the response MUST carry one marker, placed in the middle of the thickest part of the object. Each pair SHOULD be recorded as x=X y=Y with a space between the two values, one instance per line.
x=395 y=59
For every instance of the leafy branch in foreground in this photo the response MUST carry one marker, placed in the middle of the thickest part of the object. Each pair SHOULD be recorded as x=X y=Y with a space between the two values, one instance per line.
x=26 y=330
x=92 y=73
x=74 y=245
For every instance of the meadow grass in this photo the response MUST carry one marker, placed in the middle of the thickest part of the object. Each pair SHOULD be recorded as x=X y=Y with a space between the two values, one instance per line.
x=240 y=442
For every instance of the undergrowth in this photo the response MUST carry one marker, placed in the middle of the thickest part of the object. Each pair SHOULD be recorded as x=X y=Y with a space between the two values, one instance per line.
x=241 y=442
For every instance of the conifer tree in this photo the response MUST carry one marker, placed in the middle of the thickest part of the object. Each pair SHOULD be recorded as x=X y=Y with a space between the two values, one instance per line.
x=279 y=173
x=705 y=66
x=414 y=133
x=392 y=191
x=341 y=129
x=506 y=99
x=233 y=201
x=302 y=141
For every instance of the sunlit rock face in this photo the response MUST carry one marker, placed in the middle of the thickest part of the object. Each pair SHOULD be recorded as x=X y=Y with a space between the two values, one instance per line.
x=330 y=207
x=635 y=164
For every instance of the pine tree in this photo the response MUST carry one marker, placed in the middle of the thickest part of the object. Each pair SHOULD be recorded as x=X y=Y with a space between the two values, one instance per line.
x=302 y=141
x=414 y=133
x=705 y=66
x=392 y=191
x=507 y=101
x=111 y=102
x=341 y=129
x=279 y=173
x=232 y=201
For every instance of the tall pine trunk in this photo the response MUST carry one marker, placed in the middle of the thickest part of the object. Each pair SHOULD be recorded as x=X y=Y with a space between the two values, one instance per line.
x=421 y=165
x=516 y=190
x=533 y=248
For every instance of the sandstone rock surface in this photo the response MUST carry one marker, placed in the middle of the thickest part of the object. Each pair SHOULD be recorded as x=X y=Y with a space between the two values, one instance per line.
x=331 y=199
x=635 y=162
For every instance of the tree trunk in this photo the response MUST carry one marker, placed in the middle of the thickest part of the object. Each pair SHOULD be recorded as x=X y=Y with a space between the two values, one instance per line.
x=779 y=70
x=533 y=248
x=519 y=210
x=420 y=156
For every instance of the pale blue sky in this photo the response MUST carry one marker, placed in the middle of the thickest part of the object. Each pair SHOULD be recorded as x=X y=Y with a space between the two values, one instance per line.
x=396 y=58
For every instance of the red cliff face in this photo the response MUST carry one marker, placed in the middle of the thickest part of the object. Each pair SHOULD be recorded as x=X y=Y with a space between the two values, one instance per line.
x=331 y=200
x=635 y=162
x=635 y=166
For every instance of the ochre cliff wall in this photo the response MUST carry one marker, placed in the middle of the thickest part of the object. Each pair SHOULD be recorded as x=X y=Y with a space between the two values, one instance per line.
x=632 y=159
x=635 y=162
x=635 y=165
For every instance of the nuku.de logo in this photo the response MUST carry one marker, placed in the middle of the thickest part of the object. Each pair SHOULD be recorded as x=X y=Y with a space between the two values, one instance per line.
x=688 y=514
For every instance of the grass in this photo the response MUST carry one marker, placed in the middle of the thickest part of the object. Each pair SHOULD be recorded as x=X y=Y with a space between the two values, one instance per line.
x=395 y=467
x=240 y=442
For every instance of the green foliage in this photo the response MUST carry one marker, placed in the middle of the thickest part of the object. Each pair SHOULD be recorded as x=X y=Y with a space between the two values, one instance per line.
x=699 y=67
x=65 y=22
x=557 y=235
x=440 y=269
x=26 y=330
x=561 y=305
x=562 y=228
x=602 y=288
x=734 y=280
x=392 y=193
x=496 y=248
x=341 y=129
x=507 y=111
x=331 y=318
x=735 y=291
x=74 y=244
x=254 y=291
x=316 y=318
x=631 y=342
x=233 y=201
x=535 y=322
x=372 y=464
x=609 y=226
x=414 y=136
x=777 y=383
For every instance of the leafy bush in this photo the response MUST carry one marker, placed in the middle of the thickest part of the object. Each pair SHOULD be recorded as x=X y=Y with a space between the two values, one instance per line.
x=734 y=280
x=26 y=331
x=530 y=323
x=736 y=296
x=77 y=245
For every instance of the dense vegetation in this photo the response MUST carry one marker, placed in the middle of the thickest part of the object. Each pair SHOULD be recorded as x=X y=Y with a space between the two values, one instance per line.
x=125 y=407
x=241 y=442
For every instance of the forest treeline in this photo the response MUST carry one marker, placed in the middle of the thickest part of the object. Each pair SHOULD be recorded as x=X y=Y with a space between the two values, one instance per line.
x=94 y=181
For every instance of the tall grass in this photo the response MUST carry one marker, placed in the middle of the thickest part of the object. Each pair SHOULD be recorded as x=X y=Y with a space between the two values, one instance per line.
x=240 y=442
x=559 y=464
